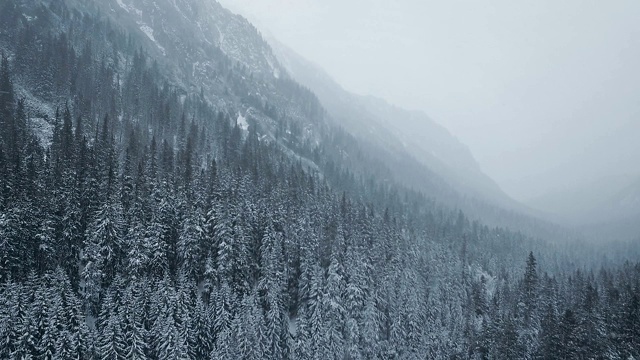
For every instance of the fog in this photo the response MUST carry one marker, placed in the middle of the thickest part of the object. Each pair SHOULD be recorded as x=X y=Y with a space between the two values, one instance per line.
x=544 y=93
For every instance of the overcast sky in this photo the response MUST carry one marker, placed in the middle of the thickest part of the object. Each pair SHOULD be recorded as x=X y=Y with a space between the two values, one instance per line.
x=545 y=93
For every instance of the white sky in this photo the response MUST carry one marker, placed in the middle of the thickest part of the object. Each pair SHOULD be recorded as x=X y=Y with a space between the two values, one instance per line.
x=546 y=93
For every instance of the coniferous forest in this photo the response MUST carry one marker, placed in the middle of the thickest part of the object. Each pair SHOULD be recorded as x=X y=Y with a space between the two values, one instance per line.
x=139 y=220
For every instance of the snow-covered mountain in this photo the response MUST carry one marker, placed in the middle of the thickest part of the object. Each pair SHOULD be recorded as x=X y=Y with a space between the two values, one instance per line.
x=205 y=50
x=166 y=22
x=371 y=120
x=186 y=36
x=409 y=132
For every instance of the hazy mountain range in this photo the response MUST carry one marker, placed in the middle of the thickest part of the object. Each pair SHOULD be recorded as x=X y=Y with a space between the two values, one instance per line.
x=414 y=149
x=417 y=151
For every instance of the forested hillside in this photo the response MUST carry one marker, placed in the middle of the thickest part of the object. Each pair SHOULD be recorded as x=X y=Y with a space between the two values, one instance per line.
x=139 y=219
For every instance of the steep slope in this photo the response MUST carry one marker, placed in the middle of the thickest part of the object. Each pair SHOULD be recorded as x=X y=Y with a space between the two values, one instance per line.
x=420 y=153
x=208 y=53
x=187 y=30
x=410 y=133
x=263 y=91
x=450 y=167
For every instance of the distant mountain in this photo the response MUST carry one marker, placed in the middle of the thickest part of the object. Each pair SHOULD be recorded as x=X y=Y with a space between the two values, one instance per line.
x=621 y=214
x=408 y=146
x=574 y=204
x=419 y=152
x=608 y=207
x=411 y=133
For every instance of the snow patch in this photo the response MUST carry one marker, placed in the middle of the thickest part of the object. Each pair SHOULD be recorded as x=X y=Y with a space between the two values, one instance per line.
x=221 y=39
x=129 y=8
x=194 y=67
x=35 y=107
x=173 y=2
x=293 y=326
x=149 y=32
x=242 y=122
x=204 y=34
x=274 y=70
x=490 y=281
x=122 y=5
x=42 y=130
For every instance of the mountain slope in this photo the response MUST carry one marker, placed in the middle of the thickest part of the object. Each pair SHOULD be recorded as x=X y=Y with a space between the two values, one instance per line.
x=420 y=153
x=204 y=41
x=410 y=133
x=265 y=86
x=221 y=57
